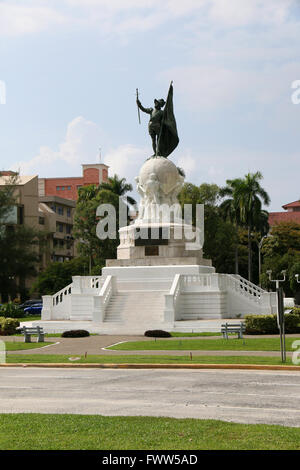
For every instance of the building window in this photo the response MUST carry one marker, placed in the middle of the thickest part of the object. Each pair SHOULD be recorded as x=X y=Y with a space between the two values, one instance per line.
x=60 y=211
x=68 y=229
x=42 y=220
x=69 y=188
x=20 y=215
x=62 y=188
x=68 y=212
x=53 y=207
x=60 y=228
x=57 y=188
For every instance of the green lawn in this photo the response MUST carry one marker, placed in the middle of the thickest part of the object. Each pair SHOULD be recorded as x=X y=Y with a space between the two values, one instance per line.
x=17 y=345
x=91 y=359
x=29 y=318
x=187 y=335
x=249 y=344
x=71 y=432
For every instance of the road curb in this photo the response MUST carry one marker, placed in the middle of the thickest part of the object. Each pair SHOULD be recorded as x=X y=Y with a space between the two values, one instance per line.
x=153 y=366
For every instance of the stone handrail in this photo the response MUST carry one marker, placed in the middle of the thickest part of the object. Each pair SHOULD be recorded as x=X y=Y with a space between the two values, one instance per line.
x=59 y=296
x=244 y=287
x=201 y=280
x=172 y=300
x=101 y=301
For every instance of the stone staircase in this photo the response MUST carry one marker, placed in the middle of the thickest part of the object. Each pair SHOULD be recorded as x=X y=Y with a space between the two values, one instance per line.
x=141 y=307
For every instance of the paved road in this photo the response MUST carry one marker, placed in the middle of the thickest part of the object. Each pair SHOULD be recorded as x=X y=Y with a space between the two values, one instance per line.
x=244 y=396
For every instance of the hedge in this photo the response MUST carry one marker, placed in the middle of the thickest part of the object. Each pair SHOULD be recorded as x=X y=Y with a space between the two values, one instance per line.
x=157 y=334
x=267 y=324
x=11 y=310
x=8 y=326
x=75 y=334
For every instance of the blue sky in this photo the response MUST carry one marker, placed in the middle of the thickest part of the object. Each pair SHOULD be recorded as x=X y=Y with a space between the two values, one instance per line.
x=71 y=68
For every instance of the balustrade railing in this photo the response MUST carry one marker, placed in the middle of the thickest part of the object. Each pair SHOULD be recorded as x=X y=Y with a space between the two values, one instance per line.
x=61 y=295
x=244 y=287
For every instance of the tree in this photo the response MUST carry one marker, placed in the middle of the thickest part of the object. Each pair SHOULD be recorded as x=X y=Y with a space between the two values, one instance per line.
x=231 y=212
x=85 y=225
x=119 y=187
x=20 y=246
x=248 y=196
x=282 y=251
x=218 y=233
x=58 y=275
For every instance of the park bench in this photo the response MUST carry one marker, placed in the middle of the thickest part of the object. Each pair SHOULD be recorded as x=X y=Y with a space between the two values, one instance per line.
x=33 y=330
x=238 y=328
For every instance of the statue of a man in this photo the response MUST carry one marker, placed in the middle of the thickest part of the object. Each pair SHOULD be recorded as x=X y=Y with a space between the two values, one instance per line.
x=154 y=125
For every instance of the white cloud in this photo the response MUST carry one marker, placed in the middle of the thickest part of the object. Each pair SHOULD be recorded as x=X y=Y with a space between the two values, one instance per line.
x=126 y=161
x=130 y=16
x=18 y=19
x=240 y=13
x=212 y=87
x=80 y=145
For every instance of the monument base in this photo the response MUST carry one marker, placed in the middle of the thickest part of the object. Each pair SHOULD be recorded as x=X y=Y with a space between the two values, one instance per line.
x=152 y=261
x=159 y=244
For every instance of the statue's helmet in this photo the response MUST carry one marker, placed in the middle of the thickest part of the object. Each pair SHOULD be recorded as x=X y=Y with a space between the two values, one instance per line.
x=161 y=102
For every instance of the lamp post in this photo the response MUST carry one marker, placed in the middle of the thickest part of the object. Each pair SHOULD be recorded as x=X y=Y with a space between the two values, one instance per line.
x=259 y=244
x=280 y=312
x=297 y=278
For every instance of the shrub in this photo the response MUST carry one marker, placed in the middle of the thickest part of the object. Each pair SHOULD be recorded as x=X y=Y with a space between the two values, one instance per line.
x=8 y=326
x=10 y=310
x=296 y=311
x=267 y=324
x=75 y=334
x=157 y=334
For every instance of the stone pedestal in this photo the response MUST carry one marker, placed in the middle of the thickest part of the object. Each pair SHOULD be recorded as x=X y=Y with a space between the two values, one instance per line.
x=159 y=236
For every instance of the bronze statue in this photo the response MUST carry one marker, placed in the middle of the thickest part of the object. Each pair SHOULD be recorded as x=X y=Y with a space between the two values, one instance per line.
x=162 y=125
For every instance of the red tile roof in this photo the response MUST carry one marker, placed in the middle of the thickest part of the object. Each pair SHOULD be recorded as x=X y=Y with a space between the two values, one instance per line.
x=292 y=204
x=278 y=217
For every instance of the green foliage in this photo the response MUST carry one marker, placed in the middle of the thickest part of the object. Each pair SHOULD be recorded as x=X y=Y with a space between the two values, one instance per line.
x=8 y=326
x=219 y=234
x=85 y=224
x=267 y=324
x=58 y=275
x=10 y=310
x=75 y=334
x=7 y=197
x=20 y=246
x=243 y=207
x=119 y=187
x=282 y=251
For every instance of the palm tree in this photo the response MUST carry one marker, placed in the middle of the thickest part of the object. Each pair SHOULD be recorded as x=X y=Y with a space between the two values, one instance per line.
x=230 y=211
x=249 y=197
x=118 y=186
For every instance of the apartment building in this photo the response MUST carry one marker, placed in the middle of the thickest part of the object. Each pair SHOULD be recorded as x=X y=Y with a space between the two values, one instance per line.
x=67 y=188
x=56 y=216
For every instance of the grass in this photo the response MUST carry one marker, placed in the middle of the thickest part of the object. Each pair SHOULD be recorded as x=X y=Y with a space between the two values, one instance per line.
x=187 y=335
x=249 y=344
x=18 y=346
x=29 y=318
x=162 y=359
x=89 y=432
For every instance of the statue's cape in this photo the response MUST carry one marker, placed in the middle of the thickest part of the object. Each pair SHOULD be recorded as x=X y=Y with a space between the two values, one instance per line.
x=168 y=137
